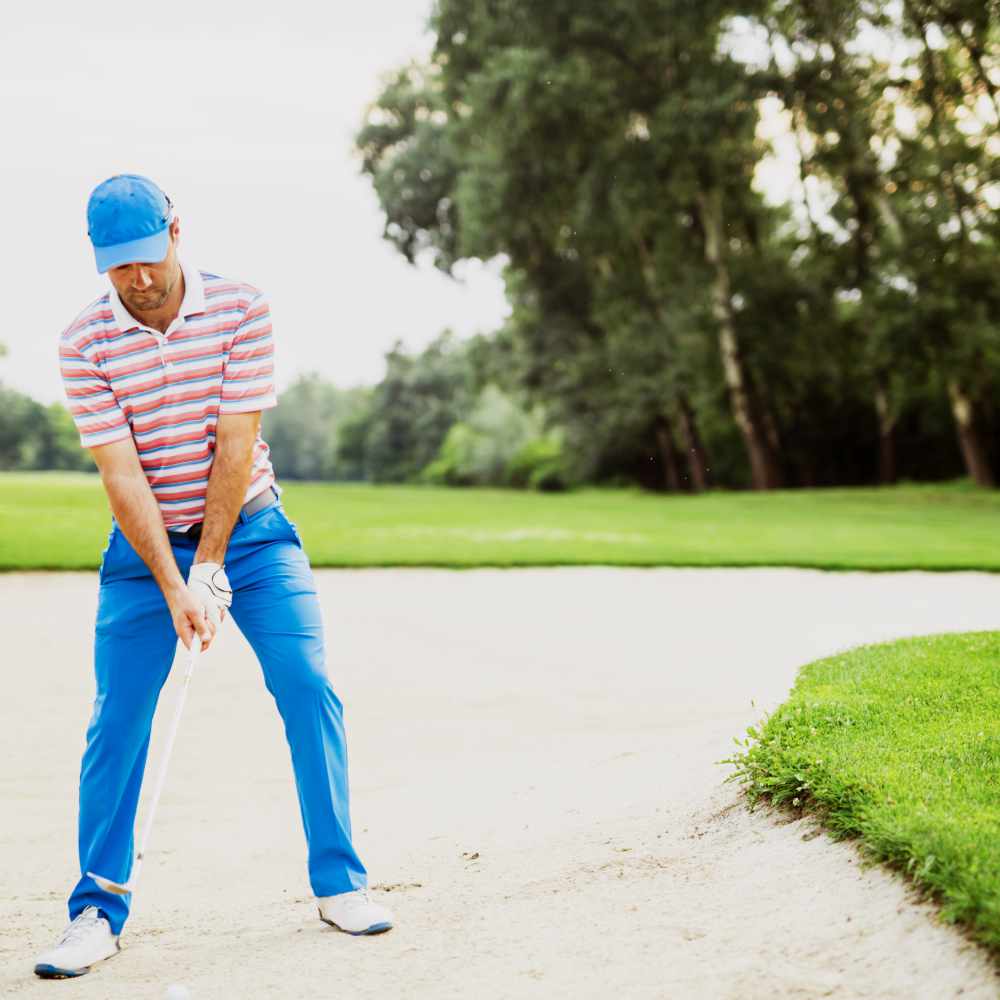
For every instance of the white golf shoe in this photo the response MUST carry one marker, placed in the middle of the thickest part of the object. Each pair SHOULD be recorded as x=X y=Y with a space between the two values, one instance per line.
x=354 y=913
x=85 y=942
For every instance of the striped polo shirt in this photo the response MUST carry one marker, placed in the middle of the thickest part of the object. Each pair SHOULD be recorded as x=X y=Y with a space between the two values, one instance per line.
x=166 y=390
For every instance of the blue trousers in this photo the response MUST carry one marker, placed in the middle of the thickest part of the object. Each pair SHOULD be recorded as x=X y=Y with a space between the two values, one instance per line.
x=276 y=608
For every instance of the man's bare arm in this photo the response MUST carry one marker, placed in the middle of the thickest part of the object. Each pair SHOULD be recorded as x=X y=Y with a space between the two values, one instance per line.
x=235 y=434
x=138 y=515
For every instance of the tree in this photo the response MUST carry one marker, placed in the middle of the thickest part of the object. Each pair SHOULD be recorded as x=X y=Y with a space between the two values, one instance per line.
x=302 y=430
x=946 y=171
x=20 y=420
x=58 y=443
x=833 y=88
x=410 y=411
x=535 y=108
x=664 y=314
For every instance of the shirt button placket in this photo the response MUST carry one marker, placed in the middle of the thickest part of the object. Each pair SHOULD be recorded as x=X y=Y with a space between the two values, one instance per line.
x=161 y=343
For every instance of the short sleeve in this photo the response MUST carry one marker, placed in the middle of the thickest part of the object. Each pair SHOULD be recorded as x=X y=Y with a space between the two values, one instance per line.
x=248 y=377
x=96 y=412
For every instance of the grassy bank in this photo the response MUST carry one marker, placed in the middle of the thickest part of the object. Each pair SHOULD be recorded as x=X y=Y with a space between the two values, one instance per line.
x=58 y=521
x=899 y=745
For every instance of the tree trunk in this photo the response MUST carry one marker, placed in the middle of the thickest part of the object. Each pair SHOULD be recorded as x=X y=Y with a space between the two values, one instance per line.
x=977 y=464
x=697 y=457
x=886 y=435
x=763 y=465
x=808 y=477
x=668 y=456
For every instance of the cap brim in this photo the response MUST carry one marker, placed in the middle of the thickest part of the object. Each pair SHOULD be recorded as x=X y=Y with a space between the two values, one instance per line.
x=148 y=250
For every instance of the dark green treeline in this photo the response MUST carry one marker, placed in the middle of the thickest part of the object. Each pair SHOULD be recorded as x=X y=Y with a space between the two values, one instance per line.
x=746 y=243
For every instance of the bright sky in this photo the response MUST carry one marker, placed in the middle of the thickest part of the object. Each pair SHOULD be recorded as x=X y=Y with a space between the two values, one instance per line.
x=243 y=112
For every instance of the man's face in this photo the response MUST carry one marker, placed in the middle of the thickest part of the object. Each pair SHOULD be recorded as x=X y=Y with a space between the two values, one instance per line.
x=146 y=287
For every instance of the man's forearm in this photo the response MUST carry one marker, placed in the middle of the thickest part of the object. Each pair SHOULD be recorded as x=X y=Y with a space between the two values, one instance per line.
x=138 y=515
x=227 y=487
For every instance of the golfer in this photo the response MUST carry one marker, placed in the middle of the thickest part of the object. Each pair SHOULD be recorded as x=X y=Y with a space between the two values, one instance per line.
x=166 y=376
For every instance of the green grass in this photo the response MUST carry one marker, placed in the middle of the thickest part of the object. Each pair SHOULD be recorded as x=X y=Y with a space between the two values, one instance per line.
x=60 y=521
x=899 y=745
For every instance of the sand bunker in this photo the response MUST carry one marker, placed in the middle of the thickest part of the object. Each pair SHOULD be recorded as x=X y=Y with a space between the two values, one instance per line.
x=535 y=790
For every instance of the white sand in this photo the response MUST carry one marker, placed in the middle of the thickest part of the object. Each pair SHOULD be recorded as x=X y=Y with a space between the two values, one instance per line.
x=533 y=764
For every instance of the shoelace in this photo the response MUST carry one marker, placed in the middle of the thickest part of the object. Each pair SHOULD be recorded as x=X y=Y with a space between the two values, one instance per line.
x=82 y=925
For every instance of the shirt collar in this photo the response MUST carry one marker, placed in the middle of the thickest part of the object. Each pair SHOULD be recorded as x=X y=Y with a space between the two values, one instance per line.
x=193 y=304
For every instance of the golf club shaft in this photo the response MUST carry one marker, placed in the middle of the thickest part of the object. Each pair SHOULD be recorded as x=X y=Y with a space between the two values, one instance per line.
x=161 y=776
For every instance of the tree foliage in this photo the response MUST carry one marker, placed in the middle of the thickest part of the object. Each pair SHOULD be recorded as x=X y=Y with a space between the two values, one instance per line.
x=680 y=326
x=302 y=432
x=33 y=436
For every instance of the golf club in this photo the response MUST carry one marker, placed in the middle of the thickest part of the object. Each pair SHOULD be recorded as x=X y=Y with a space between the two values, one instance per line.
x=124 y=888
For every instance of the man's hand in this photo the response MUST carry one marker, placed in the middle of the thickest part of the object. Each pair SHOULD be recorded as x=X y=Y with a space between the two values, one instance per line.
x=200 y=607
x=209 y=585
x=188 y=614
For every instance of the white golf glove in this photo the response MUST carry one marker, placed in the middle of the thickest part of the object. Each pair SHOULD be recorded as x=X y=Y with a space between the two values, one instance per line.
x=209 y=585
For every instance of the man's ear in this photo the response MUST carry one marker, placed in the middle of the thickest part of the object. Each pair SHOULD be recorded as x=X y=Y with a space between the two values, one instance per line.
x=175 y=230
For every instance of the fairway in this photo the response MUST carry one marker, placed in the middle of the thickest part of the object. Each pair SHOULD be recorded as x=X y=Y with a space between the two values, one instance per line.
x=61 y=521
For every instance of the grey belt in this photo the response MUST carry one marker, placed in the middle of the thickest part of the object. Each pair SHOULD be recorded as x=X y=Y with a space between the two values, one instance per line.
x=259 y=502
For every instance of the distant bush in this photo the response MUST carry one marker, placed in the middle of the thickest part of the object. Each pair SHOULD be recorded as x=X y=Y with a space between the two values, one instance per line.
x=500 y=443
x=539 y=464
x=456 y=459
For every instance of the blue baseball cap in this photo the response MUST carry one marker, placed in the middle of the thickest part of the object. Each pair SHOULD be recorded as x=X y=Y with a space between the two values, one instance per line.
x=128 y=221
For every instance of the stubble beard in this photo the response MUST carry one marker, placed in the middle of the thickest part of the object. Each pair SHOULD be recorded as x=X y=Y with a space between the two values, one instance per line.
x=149 y=300
x=145 y=301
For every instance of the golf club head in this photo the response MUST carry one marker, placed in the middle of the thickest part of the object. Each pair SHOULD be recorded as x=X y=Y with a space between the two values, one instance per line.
x=118 y=888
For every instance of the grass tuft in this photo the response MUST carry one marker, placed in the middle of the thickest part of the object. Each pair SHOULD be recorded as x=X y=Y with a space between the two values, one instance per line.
x=898 y=745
